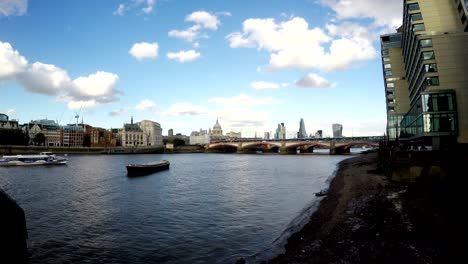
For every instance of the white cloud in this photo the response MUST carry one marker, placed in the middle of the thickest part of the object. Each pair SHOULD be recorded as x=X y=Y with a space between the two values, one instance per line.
x=48 y=79
x=196 y=45
x=11 y=112
x=11 y=61
x=13 y=7
x=264 y=85
x=82 y=104
x=144 y=50
x=183 y=109
x=285 y=84
x=189 y=35
x=149 y=6
x=146 y=6
x=387 y=13
x=120 y=10
x=292 y=45
x=44 y=79
x=202 y=20
x=145 y=104
x=118 y=112
x=241 y=100
x=184 y=56
x=244 y=119
x=205 y=19
x=314 y=81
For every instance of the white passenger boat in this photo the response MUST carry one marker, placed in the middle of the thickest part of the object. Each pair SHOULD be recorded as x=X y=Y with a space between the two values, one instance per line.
x=43 y=158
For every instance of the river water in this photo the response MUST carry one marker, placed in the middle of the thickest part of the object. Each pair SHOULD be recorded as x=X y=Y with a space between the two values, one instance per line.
x=207 y=208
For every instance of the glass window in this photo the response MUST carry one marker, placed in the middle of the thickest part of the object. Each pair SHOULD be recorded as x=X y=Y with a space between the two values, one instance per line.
x=416 y=17
x=386 y=59
x=387 y=66
x=391 y=108
x=390 y=93
x=419 y=27
x=424 y=43
x=391 y=101
x=385 y=52
x=393 y=79
x=388 y=73
x=432 y=80
x=428 y=55
x=430 y=67
x=412 y=7
x=390 y=85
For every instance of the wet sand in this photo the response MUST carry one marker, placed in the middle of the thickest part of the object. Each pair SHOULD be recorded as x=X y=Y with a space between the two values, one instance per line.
x=367 y=219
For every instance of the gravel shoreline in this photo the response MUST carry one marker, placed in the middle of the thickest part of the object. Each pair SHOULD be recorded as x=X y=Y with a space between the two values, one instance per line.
x=367 y=219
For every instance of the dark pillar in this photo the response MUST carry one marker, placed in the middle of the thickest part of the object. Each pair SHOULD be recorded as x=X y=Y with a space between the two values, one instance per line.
x=13 y=231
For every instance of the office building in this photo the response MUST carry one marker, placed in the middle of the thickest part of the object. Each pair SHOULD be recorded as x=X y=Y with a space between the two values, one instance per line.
x=337 y=130
x=429 y=57
x=302 y=131
x=280 y=133
x=266 y=135
x=319 y=134
x=133 y=135
x=152 y=131
x=6 y=122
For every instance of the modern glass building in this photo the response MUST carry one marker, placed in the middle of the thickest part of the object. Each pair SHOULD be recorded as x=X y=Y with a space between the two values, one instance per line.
x=432 y=57
x=337 y=130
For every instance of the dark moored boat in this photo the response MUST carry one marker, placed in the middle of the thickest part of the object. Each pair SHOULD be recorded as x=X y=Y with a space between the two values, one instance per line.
x=147 y=168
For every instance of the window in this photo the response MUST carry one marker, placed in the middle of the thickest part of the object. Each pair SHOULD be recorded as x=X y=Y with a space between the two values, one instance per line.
x=385 y=52
x=390 y=85
x=416 y=17
x=391 y=108
x=391 y=101
x=430 y=81
x=430 y=67
x=386 y=59
x=388 y=73
x=428 y=55
x=412 y=7
x=424 y=43
x=387 y=66
x=419 y=27
x=390 y=93
x=393 y=79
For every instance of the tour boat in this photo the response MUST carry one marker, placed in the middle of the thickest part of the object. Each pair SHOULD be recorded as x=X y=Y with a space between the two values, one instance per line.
x=43 y=158
x=147 y=168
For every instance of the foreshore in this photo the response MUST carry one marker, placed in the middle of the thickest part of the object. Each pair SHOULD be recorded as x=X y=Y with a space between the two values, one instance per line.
x=365 y=218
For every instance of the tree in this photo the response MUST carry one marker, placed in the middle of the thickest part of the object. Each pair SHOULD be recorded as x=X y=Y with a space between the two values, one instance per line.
x=86 y=140
x=179 y=142
x=39 y=139
x=12 y=137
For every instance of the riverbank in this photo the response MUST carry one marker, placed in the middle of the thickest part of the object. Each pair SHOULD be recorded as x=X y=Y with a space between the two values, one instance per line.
x=367 y=219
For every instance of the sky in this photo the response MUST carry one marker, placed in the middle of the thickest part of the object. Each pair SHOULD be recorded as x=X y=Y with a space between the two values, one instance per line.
x=252 y=64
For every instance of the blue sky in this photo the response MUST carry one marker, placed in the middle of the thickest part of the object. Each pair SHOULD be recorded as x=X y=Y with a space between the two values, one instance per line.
x=252 y=64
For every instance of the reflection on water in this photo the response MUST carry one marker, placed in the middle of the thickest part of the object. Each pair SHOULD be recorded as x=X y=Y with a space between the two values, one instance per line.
x=207 y=208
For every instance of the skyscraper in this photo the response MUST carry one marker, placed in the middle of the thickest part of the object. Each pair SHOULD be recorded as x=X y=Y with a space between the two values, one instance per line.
x=280 y=132
x=302 y=131
x=337 y=130
x=319 y=134
x=424 y=66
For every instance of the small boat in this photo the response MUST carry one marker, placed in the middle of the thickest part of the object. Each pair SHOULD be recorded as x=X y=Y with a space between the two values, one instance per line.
x=147 y=168
x=321 y=193
x=43 y=158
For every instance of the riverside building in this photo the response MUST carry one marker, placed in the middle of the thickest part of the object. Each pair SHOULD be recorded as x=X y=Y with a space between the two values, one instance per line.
x=337 y=130
x=424 y=66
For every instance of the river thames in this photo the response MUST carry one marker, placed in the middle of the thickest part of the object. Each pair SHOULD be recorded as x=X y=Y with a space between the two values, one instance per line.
x=207 y=208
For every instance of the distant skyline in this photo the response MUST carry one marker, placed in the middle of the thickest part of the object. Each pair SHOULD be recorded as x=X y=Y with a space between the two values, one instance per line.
x=185 y=63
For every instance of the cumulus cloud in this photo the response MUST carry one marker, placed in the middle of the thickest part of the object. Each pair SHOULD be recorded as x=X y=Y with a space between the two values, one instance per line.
x=146 y=6
x=48 y=79
x=144 y=50
x=387 y=13
x=145 y=104
x=205 y=19
x=184 y=109
x=118 y=112
x=13 y=7
x=11 y=61
x=241 y=100
x=184 y=55
x=293 y=45
x=313 y=80
x=120 y=10
x=202 y=20
x=264 y=85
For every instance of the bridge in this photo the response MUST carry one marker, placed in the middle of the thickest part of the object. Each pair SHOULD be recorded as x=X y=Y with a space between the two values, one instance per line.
x=336 y=146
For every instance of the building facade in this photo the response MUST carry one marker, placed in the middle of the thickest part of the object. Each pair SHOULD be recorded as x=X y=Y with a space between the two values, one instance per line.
x=337 y=130
x=73 y=135
x=5 y=122
x=133 y=136
x=433 y=60
x=302 y=131
x=280 y=133
x=233 y=134
x=266 y=135
x=152 y=131
x=318 y=134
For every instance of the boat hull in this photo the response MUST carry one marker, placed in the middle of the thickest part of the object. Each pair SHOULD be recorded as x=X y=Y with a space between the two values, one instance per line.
x=142 y=169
